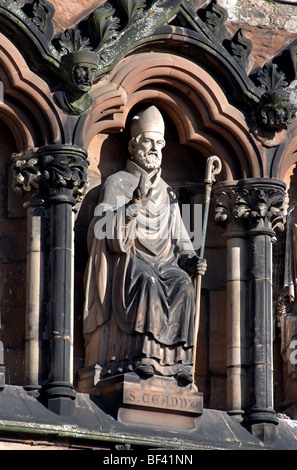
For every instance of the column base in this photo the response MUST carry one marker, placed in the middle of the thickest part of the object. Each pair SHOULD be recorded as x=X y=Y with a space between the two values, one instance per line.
x=59 y=398
x=262 y=423
x=237 y=415
x=265 y=432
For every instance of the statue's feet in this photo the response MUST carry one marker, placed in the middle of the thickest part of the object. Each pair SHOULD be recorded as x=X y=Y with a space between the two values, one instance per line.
x=184 y=378
x=144 y=371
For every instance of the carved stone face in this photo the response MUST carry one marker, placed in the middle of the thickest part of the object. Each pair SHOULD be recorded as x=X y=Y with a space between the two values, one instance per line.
x=147 y=150
x=83 y=75
x=80 y=69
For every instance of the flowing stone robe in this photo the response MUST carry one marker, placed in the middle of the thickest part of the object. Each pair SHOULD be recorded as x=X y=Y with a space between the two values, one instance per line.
x=139 y=302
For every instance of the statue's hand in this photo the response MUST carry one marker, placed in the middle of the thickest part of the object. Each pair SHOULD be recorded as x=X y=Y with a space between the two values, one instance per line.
x=196 y=266
x=139 y=199
x=140 y=196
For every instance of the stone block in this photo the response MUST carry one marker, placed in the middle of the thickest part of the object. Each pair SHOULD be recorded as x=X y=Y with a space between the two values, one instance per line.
x=158 y=401
x=266 y=432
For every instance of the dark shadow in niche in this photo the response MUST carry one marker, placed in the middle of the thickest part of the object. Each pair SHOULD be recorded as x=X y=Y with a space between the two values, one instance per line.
x=13 y=255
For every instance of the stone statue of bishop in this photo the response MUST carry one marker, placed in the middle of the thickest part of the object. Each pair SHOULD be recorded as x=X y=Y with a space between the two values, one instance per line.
x=139 y=296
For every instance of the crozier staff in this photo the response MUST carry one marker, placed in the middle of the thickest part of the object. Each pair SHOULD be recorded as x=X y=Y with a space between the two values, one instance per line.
x=140 y=300
x=213 y=168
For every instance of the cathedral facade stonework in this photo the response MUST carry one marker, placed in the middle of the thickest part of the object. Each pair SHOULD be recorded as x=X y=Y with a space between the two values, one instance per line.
x=100 y=328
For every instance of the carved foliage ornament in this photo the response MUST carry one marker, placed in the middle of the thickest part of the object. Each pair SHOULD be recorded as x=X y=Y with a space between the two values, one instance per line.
x=262 y=208
x=112 y=31
x=276 y=109
x=116 y=28
x=49 y=173
x=41 y=13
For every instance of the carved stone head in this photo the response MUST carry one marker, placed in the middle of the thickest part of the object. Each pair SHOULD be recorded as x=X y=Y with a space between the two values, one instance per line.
x=147 y=139
x=275 y=110
x=79 y=69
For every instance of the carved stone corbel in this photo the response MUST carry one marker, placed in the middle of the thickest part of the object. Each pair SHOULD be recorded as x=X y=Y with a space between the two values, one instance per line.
x=275 y=110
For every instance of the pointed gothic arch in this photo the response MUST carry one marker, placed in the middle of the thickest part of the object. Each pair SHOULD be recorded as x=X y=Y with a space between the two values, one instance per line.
x=203 y=117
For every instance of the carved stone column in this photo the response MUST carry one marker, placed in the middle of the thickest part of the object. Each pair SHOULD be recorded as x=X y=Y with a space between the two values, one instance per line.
x=238 y=340
x=259 y=204
x=53 y=176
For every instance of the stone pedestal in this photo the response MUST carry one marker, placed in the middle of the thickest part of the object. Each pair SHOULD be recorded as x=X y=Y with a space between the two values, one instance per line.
x=157 y=401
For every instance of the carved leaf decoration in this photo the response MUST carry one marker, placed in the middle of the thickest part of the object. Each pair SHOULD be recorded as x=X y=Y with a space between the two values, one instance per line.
x=103 y=25
x=214 y=16
x=261 y=207
x=240 y=47
x=43 y=12
x=161 y=2
x=271 y=79
x=132 y=7
x=275 y=109
x=26 y=175
x=65 y=171
x=72 y=41
x=224 y=204
x=276 y=211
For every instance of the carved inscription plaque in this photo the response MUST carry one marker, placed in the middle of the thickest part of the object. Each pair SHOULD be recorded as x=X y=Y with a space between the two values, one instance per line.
x=157 y=401
x=164 y=400
x=155 y=394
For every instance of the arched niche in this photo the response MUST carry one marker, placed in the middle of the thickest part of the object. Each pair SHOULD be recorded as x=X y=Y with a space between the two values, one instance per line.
x=183 y=167
x=200 y=122
x=191 y=98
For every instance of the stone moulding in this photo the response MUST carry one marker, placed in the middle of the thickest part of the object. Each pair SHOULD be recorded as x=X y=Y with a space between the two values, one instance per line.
x=113 y=33
x=117 y=29
x=23 y=88
x=185 y=91
x=15 y=21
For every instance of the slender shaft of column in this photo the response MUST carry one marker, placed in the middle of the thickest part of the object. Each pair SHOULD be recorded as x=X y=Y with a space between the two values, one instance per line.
x=2 y=367
x=59 y=388
x=238 y=343
x=260 y=251
x=35 y=296
x=238 y=312
x=264 y=208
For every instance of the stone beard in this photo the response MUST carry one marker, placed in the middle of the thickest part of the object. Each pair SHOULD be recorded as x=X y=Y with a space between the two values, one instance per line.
x=139 y=301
